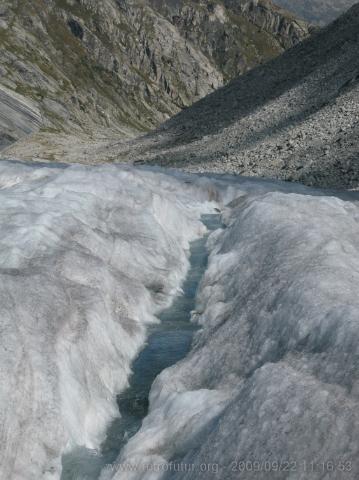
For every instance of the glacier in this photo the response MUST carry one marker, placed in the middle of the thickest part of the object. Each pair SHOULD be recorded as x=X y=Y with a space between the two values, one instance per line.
x=270 y=388
x=90 y=256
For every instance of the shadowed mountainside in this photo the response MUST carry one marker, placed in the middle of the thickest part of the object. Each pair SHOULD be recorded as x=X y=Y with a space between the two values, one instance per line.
x=317 y=11
x=294 y=118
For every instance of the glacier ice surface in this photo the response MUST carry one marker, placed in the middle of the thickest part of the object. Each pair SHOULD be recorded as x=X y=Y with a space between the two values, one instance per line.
x=88 y=257
x=270 y=388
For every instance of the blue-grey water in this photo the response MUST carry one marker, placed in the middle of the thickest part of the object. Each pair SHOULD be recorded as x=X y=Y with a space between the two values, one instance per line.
x=167 y=343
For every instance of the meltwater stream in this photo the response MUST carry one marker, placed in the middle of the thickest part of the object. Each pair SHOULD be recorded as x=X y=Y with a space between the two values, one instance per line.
x=167 y=343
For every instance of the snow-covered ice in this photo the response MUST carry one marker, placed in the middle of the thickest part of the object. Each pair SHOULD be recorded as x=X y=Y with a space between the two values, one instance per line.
x=89 y=255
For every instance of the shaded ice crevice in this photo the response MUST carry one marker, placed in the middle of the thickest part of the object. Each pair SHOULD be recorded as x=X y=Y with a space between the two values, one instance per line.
x=167 y=343
x=273 y=374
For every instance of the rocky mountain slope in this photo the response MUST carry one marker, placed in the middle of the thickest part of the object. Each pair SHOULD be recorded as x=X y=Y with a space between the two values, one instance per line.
x=317 y=11
x=234 y=35
x=294 y=118
x=18 y=117
x=120 y=67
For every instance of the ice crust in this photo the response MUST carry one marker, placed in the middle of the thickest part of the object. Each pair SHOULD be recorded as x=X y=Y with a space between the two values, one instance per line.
x=273 y=375
x=89 y=255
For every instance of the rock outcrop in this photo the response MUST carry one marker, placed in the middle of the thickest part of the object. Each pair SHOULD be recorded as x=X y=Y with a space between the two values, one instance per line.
x=18 y=117
x=234 y=35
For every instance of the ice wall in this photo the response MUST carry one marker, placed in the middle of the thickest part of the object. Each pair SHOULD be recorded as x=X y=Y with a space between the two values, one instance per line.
x=271 y=386
x=88 y=255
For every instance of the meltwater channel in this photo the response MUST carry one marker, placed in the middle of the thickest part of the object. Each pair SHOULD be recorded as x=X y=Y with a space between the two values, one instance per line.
x=167 y=343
